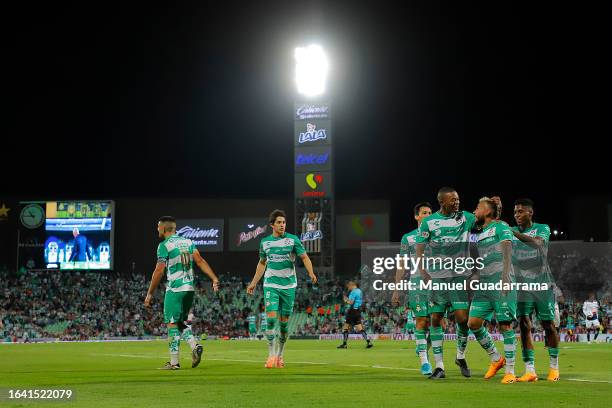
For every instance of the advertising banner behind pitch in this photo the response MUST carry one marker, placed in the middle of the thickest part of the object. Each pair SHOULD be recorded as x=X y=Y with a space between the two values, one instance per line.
x=245 y=233
x=353 y=229
x=206 y=233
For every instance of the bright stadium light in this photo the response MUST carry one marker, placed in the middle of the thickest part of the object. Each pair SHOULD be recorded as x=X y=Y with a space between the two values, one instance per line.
x=310 y=70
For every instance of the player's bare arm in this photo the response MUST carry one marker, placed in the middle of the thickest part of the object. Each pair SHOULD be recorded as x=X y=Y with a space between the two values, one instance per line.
x=506 y=247
x=259 y=271
x=206 y=269
x=399 y=274
x=420 y=251
x=534 y=242
x=157 y=275
x=308 y=265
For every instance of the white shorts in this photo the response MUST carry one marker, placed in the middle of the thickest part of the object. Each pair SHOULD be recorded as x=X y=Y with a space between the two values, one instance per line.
x=592 y=324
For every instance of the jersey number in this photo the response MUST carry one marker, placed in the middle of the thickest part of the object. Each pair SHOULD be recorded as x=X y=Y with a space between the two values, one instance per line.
x=186 y=260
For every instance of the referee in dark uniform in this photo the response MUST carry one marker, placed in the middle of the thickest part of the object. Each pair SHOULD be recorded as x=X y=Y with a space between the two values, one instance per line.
x=353 y=314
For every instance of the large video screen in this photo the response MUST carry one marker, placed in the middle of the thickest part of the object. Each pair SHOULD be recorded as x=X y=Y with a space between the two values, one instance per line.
x=79 y=235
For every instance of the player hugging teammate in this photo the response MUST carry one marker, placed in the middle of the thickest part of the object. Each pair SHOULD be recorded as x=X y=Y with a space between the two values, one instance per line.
x=508 y=255
x=417 y=299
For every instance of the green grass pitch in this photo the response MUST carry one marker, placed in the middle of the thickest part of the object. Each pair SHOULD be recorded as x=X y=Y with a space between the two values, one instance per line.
x=125 y=374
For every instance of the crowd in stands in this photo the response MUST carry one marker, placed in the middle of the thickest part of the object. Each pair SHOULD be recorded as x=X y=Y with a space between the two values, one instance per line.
x=100 y=305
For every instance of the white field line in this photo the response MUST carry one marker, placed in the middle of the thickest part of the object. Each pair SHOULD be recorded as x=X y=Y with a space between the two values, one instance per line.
x=151 y=356
x=590 y=381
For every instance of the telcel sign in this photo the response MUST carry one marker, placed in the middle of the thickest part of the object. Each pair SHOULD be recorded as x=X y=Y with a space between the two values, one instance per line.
x=308 y=159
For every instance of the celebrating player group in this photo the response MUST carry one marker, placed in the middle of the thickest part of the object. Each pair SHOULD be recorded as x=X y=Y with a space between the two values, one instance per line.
x=516 y=254
x=509 y=255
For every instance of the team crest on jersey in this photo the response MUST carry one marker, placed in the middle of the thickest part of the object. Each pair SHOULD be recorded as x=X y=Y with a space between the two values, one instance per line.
x=424 y=234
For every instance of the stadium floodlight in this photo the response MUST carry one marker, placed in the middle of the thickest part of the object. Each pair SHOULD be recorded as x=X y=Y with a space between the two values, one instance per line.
x=311 y=67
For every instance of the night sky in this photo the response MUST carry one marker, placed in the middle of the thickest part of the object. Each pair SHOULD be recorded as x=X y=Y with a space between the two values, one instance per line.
x=196 y=101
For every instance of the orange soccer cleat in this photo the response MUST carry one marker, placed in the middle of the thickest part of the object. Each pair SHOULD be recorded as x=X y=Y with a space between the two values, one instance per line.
x=271 y=362
x=528 y=377
x=280 y=363
x=494 y=367
x=553 y=374
x=509 y=379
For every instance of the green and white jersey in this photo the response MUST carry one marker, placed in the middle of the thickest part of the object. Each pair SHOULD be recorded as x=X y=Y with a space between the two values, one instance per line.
x=252 y=319
x=408 y=248
x=530 y=263
x=490 y=250
x=263 y=322
x=279 y=254
x=410 y=317
x=447 y=237
x=177 y=254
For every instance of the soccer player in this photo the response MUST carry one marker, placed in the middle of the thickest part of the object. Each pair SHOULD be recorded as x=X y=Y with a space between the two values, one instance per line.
x=277 y=254
x=417 y=299
x=409 y=326
x=353 y=315
x=447 y=234
x=252 y=319
x=176 y=255
x=530 y=248
x=494 y=244
x=590 y=308
x=263 y=323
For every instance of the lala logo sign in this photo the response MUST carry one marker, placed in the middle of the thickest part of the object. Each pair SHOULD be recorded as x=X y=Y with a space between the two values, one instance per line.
x=312 y=134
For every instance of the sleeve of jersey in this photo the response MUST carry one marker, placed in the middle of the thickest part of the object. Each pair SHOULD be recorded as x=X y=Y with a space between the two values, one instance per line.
x=162 y=254
x=262 y=253
x=504 y=233
x=544 y=232
x=423 y=233
x=404 y=246
x=470 y=219
x=298 y=247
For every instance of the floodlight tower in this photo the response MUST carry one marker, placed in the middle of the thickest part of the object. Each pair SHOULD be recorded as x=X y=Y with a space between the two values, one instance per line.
x=313 y=158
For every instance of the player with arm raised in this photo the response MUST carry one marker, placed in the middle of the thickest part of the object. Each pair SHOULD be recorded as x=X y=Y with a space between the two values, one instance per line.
x=529 y=253
x=494 y=243
x=176 y=255
x=417 y=299
x=446 y=232
x=277 y=254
